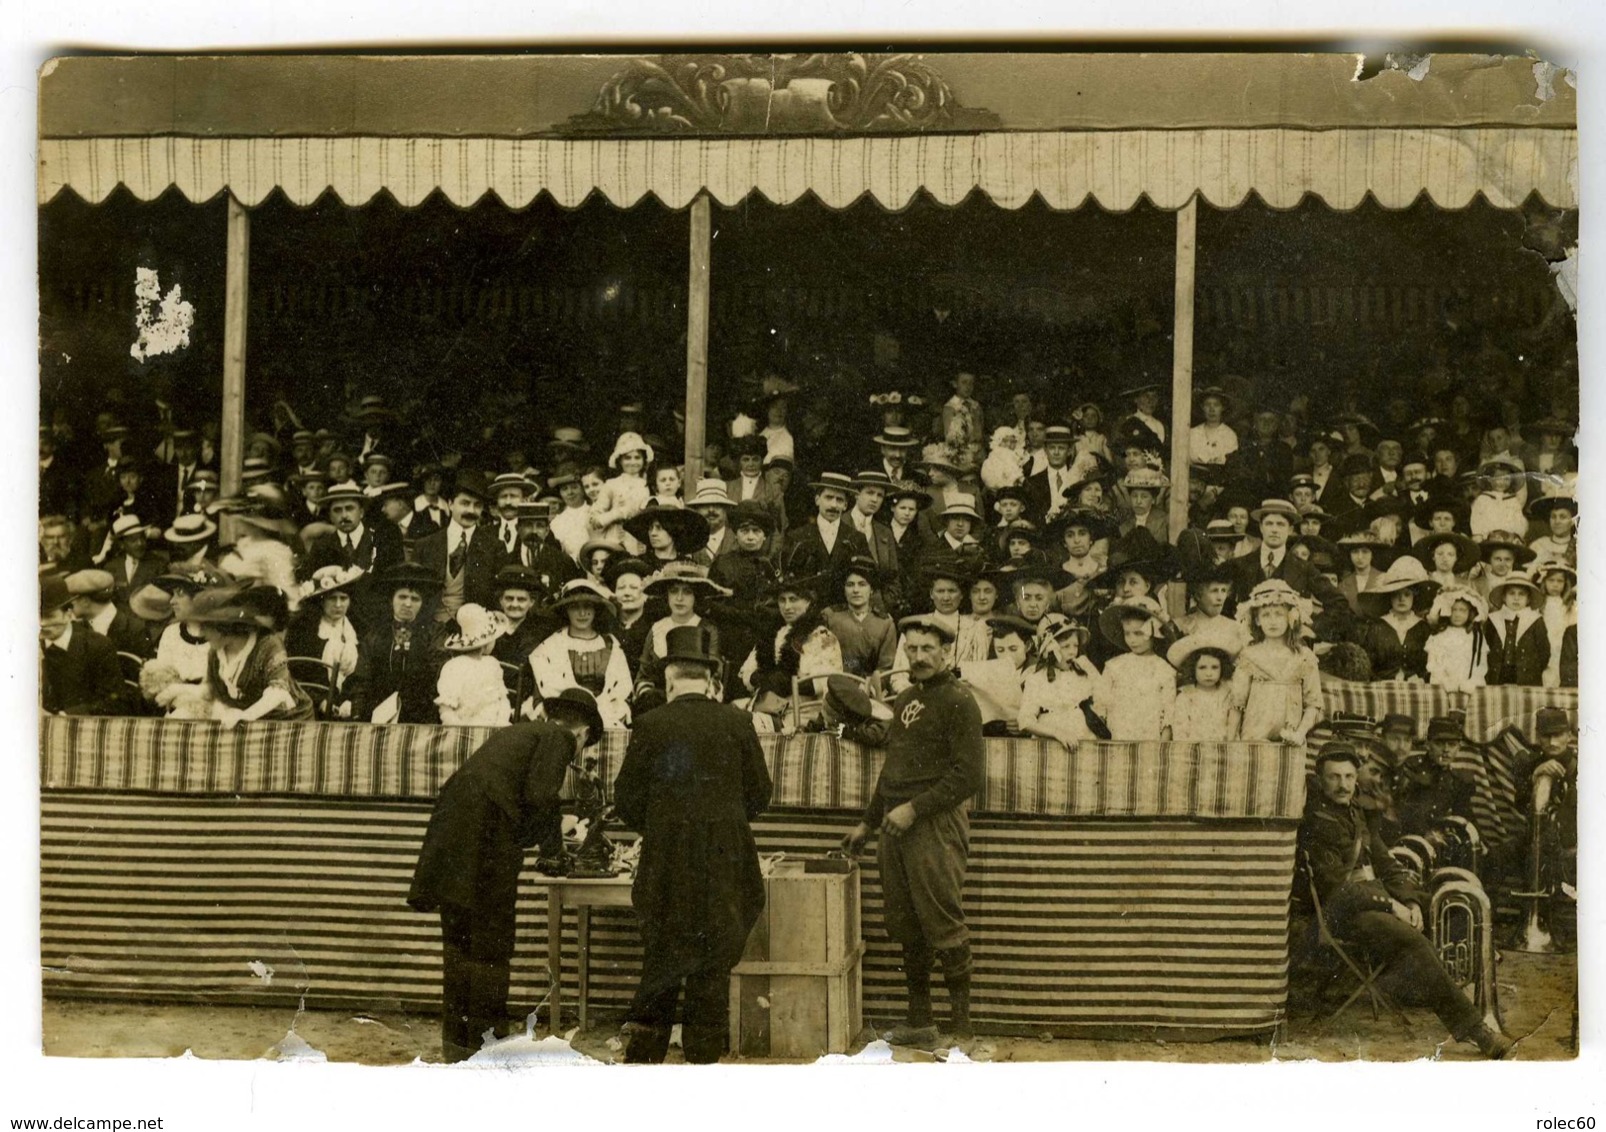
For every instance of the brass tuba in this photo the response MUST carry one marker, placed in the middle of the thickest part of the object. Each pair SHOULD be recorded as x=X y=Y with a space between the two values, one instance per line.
x=1535 y=934
x=1461 y=925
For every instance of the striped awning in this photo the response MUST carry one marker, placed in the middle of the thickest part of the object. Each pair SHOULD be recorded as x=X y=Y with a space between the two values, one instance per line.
x=1114 y=168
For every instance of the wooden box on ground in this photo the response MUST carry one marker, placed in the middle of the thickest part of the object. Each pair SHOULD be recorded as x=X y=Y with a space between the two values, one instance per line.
x=798 y=991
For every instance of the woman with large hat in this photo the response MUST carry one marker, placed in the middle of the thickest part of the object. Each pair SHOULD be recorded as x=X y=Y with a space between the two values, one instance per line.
x=866 y=634
x=669 y=534
x=1447 y=557
x=399 y=657
x=1558 y=514
x=322 y=629
x=174 y=678
x=1393 y=631
x=794 y=644
x=682 y=587
x=1367 y=557
x=247 y=674
x=585 y=653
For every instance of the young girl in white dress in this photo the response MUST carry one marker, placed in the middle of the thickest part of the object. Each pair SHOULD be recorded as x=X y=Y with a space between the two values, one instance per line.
x=470 y=690
x=626 y=494
x=1276 y=685
x=1457 y=659
x=1204 y=700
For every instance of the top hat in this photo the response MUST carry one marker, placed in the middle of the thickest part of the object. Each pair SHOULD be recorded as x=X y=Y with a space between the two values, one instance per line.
x=691 y=644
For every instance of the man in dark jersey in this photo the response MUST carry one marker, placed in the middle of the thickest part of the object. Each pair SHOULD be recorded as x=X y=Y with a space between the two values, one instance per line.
x=921 y=807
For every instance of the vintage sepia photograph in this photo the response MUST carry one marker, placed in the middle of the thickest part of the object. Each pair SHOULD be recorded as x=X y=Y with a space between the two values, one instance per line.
x=753 y=557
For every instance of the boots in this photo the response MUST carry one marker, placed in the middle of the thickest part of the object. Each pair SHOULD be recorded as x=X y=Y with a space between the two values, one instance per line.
x=956 y=976
x=917 y=1028
x=1492 y=1043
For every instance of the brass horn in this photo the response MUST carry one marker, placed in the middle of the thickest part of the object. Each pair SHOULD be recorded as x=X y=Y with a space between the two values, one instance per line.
x=1535 y=935
x=1461 y=925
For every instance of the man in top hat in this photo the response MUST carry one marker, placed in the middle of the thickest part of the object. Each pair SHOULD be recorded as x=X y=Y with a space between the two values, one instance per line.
x=826 y=543
x=130 y=558
x=539 y=551
x=94 y=605
x=356 y=543
x=400 y=655
x=1045 y=490
x=1369 y=899
x=79 y=673
x=1273 y=559
x=921 y=809
x=1428 y=787
x=465 y=555
x=692 y=780
x=714 y=504
x=502 y=800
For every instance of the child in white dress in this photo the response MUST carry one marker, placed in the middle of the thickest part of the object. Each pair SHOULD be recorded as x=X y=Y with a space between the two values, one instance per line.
x=470 y=690
x=1457 y=659
x=1057 y=686
x=1204 y=701
x=1138 y=689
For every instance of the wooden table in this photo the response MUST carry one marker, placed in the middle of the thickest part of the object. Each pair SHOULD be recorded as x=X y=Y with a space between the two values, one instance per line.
x=582 y=894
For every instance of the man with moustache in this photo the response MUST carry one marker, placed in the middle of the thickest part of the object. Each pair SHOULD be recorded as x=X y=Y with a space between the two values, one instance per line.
x=356 y=543
x=827 y=543
x=464 y=556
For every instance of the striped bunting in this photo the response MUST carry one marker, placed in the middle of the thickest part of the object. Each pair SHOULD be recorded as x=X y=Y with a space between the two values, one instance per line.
x=1115 y=168
x=811 y=771
x=1489 y=710
x=1080 y=927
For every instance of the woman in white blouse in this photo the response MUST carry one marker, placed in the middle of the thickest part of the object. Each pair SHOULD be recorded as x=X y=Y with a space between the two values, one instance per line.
x=1212 y=440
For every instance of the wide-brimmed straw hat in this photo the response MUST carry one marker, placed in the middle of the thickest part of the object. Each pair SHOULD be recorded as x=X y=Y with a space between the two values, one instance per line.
x=1520 y=578
x=329 y=580
x=1383 y=555
x=1540 y=570
x=125 y=525
x=1406 y=573
x=683 y=573
x=194 y=527
x=1542 y=507
x=1505 y=540
x=687 y=528
x=1112 y=615
x=370 y=409
x=961 y=506
x=1275 y=507
x=711 y=493
x=476 y=628
x=1223 y=645
x=896 y=436
x=583 y=591
x=835 y=481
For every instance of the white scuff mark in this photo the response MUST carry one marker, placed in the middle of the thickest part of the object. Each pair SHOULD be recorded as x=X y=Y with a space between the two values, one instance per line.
x=954 y=1056
x=521 y=1050
x=163 y=322
x=1545 y=75
x=763 y=1002
x=293 y=1047
x=674 y=1035
x=262 y=971
x=1420 y=71
x=66 y=359
x=1566 y=273
x=877 y=1052
x=1360 y=66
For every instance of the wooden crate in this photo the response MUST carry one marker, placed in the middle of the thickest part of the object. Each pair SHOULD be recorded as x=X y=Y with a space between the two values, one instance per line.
x=799 y=989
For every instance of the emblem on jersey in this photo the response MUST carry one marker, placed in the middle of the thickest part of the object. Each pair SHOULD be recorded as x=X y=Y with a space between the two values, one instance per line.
x=911 y=712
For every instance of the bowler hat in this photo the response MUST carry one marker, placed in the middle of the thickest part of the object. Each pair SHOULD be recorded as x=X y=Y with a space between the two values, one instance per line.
x=53 y=593
x=579 y=701
x=471 y=482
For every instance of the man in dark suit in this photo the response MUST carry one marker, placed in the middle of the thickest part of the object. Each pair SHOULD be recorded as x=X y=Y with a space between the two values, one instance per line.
x=464 y=556
x=540 y=552
x=94 y=594
x=751 y=482
x=501 y=801
x=1273 y=559
x=369 y=547
x=1045 y=491
x=714 y=503
x=1354 y=487
x=1263 y=464
x=872 y=487
x=692 y=779
x=826 y=543
x=79 y=673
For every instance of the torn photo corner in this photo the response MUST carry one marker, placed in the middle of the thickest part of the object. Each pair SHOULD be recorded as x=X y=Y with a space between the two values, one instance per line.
x=1090 y=539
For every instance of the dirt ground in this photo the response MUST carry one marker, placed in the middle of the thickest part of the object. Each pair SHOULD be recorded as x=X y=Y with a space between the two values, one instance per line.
x=1537 y=996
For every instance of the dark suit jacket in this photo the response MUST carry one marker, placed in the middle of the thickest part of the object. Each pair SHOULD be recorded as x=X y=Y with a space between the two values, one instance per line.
x=58 y=489
x=1306 y=580
x=85 y=678
x=1039 y=495
x=803 y=550
x=379 y=547
x=485 y=558
x=550 y=564
x=1521 y=662
x=383 y=669
x=127 y=633
x=884 y=550
x=151 y=567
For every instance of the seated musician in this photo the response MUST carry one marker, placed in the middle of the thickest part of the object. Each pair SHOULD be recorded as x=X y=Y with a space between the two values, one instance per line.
x=1429 y=788
x=1371 y=901
x=1555 y=760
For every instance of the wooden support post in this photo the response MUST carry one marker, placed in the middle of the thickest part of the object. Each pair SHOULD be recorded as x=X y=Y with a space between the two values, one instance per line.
x=235 y=294
x=1182 y=365
x=697 y=341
